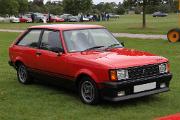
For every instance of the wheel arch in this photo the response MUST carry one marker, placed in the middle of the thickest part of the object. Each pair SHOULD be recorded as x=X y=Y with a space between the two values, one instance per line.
x=85 y=73
x=18 y=61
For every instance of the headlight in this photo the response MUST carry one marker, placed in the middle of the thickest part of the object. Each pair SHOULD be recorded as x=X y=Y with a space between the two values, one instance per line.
x=163 y=68
x=122 y=74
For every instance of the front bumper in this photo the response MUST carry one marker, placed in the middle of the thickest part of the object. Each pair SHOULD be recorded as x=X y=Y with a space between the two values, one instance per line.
x=109 y=90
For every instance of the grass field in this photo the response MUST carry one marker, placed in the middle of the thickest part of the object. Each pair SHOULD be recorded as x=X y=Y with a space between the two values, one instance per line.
x=41 y=102
x=126 y=23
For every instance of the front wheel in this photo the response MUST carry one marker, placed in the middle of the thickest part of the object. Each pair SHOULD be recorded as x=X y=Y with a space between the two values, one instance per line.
x=22 y=74
x=88 y=91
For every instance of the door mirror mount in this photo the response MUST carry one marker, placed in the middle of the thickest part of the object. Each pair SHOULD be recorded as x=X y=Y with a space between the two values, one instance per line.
x=122 y=43
x=60 y=51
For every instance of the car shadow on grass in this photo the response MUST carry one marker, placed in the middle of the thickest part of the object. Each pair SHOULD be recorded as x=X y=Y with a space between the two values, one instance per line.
x=72 y=92
x=132 y=102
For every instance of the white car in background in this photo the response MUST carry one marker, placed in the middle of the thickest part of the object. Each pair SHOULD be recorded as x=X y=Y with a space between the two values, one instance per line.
x=2 y=19
x=86 y=19
x=14 y=19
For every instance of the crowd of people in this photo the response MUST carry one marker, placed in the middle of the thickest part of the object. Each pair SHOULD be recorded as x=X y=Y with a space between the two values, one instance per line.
x=101 y=17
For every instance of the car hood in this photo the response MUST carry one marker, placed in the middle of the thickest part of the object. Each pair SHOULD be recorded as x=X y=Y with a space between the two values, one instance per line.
x=121 y=57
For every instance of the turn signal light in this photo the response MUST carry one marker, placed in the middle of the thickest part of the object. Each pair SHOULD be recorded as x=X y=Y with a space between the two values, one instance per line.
x=113 y=75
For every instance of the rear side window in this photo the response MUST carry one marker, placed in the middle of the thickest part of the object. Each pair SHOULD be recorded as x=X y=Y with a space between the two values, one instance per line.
x=50 y=39
x=31 y=39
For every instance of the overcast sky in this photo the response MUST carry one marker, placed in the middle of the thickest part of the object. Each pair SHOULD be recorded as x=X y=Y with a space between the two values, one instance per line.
x=98 y=1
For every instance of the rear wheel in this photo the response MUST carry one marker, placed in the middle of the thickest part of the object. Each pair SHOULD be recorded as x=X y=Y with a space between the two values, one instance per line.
x=23 y=75
x=174 y=35
x=88 y=91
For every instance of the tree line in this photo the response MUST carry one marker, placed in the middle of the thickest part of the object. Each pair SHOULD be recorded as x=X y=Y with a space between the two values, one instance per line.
x=16 y=7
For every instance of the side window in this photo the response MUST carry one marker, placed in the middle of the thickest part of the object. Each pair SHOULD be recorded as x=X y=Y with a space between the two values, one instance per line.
x=31 y=39
x=50 y=39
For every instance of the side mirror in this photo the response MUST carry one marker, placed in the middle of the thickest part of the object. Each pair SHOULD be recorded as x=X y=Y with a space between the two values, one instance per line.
x=57 y=50
x=122 y=43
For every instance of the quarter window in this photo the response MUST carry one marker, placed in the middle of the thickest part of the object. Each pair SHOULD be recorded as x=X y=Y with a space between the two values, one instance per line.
x=31 y=39
x=50 y=39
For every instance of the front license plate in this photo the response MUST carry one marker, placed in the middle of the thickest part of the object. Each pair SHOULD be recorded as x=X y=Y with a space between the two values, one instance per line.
x=144 y=87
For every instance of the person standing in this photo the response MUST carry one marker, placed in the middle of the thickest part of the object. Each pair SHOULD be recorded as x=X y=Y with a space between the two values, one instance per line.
x=32 y=17
x=108 y=16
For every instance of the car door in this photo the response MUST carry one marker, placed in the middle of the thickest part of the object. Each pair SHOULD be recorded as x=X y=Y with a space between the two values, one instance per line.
x=27 y=46
x=48 y=61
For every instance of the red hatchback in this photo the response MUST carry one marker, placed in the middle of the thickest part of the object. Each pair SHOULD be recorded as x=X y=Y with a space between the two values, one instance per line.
x=92 y=59
x=25 y=19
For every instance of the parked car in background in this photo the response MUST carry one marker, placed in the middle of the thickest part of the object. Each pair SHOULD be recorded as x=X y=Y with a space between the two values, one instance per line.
x=113 y=15
x=25 y=19
x=86 y=19
x=159 y=14
x=2 y=19
x=54 y=18
x=73 y=19
x=90 y=17
x=39 y=17
x=66 y=17
x=14 y=19
x=89 y=58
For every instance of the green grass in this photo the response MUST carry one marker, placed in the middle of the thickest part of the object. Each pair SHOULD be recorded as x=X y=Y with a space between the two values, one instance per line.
x=40 y=102
x=125 y=24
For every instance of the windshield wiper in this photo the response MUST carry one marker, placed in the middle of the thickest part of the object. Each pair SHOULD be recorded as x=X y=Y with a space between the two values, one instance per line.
x=95 y=47
x=113 y=45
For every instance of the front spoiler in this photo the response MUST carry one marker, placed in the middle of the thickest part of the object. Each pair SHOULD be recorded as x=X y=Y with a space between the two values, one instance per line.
x=109 y=90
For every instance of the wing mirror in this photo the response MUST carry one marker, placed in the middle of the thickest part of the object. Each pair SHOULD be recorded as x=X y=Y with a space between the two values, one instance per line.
x=122 y=43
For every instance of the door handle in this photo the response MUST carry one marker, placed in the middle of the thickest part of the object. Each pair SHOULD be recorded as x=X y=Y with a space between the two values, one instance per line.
x=38 y=53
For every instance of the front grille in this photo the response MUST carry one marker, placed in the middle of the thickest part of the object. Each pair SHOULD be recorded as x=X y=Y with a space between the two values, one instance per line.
x=143 y=71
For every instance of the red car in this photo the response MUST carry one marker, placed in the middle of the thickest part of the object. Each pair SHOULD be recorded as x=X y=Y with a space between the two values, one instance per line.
x=25 y=19
x=92 y=59
x=55 y=19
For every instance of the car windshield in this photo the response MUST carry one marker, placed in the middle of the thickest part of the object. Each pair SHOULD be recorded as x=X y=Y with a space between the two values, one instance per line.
x=88 y=39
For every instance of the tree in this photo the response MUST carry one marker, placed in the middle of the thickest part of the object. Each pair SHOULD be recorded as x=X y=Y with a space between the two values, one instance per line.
x=85 y=6
x=23 y=6
x=10 y=7
x=54 y=8
x=39 y=2
x=142 y=3
x=144 y=13
x=120 y=9
x=106 y=7
x=77 y=6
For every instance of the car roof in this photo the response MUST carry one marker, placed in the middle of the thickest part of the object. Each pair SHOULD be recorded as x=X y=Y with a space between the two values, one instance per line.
x=66 y=26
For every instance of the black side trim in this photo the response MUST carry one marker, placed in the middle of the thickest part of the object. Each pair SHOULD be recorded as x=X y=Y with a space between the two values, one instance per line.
x=11 y=63
x=53 y=78
x=37 y=71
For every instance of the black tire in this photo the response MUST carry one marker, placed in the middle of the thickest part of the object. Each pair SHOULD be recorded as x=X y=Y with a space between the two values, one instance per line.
x=94 y=97
x=23 y=75
x=174 y=35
